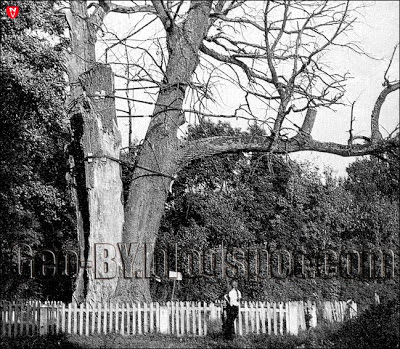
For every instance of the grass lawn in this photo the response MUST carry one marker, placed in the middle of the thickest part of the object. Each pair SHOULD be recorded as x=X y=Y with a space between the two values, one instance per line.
x=148 y=341
x=157 y=341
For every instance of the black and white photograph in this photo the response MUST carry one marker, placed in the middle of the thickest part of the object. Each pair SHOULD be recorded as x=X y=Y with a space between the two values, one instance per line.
x=199 y=174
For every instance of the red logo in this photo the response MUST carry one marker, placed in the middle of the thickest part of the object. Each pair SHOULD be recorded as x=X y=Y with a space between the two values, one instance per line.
x=12 y=11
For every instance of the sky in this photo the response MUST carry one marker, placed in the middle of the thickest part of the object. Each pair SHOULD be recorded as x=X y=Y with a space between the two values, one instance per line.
x=377 y=32
x=378 y=35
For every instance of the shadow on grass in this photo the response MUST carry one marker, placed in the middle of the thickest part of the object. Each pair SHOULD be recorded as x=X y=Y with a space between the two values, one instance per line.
x=215 y=340
x=118 y=341
x=47 y=341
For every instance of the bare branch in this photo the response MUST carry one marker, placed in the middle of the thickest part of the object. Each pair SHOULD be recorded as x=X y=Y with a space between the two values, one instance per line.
x=223 y=145
x=251 y=74
x=352 y=118
x=130 y=9
x=162 y=13
x=302 y=141
x=385 y=77
x=375 y=133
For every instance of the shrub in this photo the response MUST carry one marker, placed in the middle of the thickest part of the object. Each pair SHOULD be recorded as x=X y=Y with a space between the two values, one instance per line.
x=377 y=327
x=214 y=327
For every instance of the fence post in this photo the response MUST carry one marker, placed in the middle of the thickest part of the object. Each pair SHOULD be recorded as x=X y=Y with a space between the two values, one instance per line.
x=313 y=312
x=292 y=323
x=164 y=319
x=157 y=317
x=281 y=318
x=14 y=323
x=187 y=317
x=139 y=312
x=9 y=318
x=105 y=313
x=151 y=317
x=205 y=307
x=145 y=317
x=263 y=317
x=182 y=318
x=75 y=312
x=134 y=317
x=110 y=310
x=81 y=315
x=213 y=311
x=301 y=316
x=128 y=318
x=63 y=318
x=28 y=318
x=287 y=316
x=123 y=306
x=43 y=321
x=269 y=317
x=94 y=314
x=193 y=310
x=246 y=317
x=275 y=318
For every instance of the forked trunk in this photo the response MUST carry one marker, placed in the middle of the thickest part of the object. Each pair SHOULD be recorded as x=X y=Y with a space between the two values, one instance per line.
x=96 y=152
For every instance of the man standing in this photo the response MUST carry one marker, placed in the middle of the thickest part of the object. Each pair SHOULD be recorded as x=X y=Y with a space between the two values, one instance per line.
x=232 y=301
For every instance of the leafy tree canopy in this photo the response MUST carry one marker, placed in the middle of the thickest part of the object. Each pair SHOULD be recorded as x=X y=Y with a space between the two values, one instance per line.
x=247 y=199
x=34 y=206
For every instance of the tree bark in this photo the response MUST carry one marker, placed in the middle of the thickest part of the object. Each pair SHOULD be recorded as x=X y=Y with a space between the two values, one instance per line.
x=100 y=194
x=96 y=141
x=160 y=151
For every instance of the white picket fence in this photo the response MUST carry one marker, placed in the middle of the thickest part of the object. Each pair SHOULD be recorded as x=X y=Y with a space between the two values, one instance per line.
x=179 y=318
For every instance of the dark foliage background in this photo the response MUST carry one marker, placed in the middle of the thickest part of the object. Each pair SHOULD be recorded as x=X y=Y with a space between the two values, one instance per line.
x=34 y=205
x=271 y=202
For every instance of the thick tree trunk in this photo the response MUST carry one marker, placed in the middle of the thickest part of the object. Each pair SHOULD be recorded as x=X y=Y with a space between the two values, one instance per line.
x=143 y=213
x=160 y=151
x=96 y=142
x=156 y=165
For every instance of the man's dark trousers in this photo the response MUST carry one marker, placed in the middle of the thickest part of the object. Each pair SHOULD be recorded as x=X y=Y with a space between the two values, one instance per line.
x=232 y=313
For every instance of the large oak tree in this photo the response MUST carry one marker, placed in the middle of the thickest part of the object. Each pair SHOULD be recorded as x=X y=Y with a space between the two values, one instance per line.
x=272 y=51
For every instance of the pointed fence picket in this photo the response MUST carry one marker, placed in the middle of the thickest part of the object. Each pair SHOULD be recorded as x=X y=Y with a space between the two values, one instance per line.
x=179 y=318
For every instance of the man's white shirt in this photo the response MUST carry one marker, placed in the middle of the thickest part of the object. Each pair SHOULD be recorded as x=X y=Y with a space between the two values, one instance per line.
x=234 y=296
